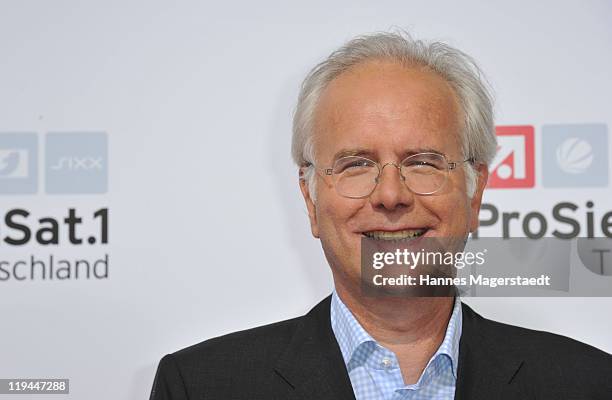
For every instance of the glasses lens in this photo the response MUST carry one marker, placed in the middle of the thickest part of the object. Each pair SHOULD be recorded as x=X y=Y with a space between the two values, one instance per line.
x=355 y=177
x=425 y=173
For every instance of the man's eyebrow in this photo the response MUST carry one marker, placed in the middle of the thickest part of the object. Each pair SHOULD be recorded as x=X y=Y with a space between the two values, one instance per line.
x=372 y=154
x=411 y=152
x=354 y=152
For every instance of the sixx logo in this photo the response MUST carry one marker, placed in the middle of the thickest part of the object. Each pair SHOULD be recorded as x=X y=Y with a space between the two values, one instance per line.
x=76 y=162
x=514 y=163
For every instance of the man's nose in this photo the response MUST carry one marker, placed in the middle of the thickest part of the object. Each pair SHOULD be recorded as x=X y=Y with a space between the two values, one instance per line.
x=391 y=191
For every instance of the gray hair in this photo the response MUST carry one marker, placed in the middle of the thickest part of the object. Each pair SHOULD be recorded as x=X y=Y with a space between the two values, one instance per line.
x=460 y=70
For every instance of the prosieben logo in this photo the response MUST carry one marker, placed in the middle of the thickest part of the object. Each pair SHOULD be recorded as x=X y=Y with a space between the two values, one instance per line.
x=513 y=165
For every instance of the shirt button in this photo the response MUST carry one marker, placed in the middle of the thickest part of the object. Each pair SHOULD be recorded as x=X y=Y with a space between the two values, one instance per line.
x=386 y=362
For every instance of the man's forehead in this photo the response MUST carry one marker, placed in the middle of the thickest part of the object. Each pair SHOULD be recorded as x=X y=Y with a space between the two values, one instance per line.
x=374 y=111
x=388 y=81
x=388 y=96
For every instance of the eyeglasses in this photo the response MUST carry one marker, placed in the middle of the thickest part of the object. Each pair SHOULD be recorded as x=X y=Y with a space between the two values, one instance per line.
x=423 y=173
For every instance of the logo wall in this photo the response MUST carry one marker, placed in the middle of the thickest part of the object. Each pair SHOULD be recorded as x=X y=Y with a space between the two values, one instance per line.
x=572 y=155
x=74 y=163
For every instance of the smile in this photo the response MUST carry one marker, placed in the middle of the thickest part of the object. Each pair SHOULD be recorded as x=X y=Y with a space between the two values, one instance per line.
x=395 y=235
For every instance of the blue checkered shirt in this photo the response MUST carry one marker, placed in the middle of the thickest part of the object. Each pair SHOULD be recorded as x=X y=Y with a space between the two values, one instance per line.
x=374 y=370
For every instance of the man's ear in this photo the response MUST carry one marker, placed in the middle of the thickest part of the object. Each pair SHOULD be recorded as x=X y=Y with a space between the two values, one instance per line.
x=482 y=171
x=310 y=205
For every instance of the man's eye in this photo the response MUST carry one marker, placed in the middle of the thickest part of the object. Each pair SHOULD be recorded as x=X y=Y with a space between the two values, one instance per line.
x=353 y=166
x=358 y=164
x=421 y=164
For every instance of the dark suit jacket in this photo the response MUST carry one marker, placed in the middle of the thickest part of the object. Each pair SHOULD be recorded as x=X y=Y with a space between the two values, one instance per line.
x=300 y=359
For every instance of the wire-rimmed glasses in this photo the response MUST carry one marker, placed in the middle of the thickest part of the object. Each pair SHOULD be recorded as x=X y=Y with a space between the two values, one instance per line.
x=356 y=177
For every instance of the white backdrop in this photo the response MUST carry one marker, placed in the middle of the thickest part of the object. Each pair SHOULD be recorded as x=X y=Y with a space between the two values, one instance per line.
x=191 y=92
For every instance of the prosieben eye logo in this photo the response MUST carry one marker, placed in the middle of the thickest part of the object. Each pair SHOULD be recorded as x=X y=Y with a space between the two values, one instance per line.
x=513 y=165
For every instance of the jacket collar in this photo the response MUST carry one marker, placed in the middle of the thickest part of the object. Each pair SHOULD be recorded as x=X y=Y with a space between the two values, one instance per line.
x=312 y=363
x=487 y=368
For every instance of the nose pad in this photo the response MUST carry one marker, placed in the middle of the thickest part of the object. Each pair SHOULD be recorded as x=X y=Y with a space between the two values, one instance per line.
x=391 y=195
x=399 y=171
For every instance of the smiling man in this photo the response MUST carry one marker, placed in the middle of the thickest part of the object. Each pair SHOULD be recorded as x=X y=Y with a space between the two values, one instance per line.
x=392 y=137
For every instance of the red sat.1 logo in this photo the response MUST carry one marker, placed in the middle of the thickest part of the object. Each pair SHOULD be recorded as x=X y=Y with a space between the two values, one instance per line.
x=514 y=163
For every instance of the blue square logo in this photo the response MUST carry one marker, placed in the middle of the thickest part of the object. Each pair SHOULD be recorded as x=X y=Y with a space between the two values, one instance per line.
x=18 y=163
x=575 y=155
x=76 y=162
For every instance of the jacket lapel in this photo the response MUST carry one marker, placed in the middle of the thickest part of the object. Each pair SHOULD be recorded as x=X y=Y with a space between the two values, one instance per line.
x=312 y=363
x=485 y=370
x=313 y=366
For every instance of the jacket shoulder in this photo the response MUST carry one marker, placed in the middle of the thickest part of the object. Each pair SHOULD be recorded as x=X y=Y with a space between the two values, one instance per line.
x=549 y=364
x=225 y=363
x=262 y=344
x=532 y=343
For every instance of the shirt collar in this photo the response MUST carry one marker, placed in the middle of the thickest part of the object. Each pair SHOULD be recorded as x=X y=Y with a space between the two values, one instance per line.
x=350 y=335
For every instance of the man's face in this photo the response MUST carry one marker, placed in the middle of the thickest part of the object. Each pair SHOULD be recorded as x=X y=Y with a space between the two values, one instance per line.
x=385 y=111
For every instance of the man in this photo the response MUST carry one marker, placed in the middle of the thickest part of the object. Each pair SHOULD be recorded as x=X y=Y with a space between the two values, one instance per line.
x=375 y=109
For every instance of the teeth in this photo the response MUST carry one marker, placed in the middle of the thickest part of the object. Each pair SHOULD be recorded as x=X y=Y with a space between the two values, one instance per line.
x=397 y=235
